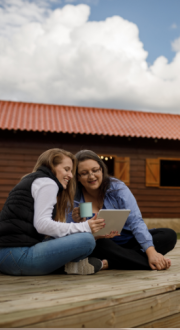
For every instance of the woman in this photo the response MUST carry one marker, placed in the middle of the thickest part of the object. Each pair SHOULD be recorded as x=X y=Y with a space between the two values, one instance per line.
x=27 y=218
x=136 y=247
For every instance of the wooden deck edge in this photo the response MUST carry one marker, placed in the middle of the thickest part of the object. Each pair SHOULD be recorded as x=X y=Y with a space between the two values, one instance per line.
x=86 y=313
x=127 y=315
x=172 y=321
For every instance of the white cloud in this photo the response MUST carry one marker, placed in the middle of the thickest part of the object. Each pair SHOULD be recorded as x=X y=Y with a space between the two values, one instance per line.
x=92 y=2
x=174 y=26
x=176 y=45
x=58 y=56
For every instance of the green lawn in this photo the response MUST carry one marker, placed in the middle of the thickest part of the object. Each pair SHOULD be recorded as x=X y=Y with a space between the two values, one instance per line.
x=178 y=235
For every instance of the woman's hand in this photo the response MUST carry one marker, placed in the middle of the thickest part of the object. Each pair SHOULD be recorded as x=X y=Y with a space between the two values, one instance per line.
x=76 y=215
x=110 y=235
x=157 y=260
x=96 y=224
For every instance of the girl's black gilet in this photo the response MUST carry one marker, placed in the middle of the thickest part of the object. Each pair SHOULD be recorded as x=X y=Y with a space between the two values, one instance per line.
x=16 y=217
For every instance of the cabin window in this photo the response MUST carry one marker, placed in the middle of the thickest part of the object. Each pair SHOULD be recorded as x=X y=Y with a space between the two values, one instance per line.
x=118 y=167
x=161 y=172
x=169 y=173
x=109 y=161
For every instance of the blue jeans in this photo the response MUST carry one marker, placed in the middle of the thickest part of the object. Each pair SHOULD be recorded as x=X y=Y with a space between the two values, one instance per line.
x=46 y=257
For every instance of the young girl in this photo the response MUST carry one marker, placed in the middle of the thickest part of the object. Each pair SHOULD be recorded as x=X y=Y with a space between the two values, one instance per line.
x=136 y=247
x=27 y=218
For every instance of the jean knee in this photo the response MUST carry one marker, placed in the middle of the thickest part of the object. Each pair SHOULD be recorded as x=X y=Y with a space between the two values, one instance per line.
x=93 y=243
x=8 y=264
x=90 y=242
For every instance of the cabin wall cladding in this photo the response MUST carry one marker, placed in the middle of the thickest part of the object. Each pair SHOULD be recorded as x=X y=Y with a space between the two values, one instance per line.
x=14 y=163
x=19 y=152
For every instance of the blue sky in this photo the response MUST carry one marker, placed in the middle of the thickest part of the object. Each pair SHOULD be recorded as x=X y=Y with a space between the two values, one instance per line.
x=121 y=54
x=158 y=21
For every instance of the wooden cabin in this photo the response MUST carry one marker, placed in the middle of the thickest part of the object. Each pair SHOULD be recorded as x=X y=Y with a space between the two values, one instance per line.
x=140 y=148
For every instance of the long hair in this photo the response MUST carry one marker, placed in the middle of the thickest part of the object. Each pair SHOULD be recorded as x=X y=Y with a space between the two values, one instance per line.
x=51 y=158
x=83 y=155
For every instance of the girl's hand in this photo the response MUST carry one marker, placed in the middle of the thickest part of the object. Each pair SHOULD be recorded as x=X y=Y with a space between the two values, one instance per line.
x=96 y=224
x=157 y=260
x=110 y=235
x=76 y=215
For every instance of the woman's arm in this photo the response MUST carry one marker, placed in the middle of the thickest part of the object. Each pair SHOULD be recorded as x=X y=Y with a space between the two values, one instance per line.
x=140 y=231
x=135 y=223
x=44 y=192
x=74 y=216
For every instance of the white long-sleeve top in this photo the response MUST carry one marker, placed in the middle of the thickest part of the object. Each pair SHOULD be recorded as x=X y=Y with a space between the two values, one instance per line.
x=44 y=191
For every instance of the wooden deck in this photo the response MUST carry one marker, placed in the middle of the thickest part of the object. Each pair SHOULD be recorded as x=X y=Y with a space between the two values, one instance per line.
x=109 y=299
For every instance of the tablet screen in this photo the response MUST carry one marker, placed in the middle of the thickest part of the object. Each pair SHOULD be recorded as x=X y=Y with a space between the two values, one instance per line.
x=114 y=220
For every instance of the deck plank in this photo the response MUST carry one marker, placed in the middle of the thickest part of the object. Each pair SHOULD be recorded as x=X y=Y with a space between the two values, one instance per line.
x=124 y=315
x=105 y=299
x=172 y=321
x=50 y=314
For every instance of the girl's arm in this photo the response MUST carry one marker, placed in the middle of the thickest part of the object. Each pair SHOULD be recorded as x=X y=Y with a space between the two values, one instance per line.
x=136 y=224
x=140 y=231
x=44 y=192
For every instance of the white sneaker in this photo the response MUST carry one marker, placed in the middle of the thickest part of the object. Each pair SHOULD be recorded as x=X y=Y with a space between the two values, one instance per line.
x=84 y=267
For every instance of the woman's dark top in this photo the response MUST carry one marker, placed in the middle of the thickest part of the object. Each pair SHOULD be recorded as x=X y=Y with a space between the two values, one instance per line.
x=16 y=217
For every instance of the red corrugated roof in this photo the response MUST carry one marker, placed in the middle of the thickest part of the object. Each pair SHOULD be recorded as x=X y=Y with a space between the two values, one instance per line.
x=83 y=120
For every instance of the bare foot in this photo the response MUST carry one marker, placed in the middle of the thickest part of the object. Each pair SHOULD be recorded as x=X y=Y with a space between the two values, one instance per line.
x=169 y=262
x=105 y=265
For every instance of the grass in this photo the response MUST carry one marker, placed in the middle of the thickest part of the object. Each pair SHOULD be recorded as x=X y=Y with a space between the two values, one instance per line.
x=178 y=235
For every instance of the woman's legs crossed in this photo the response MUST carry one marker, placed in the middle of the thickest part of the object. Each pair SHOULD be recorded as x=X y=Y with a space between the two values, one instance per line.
x=130 y=256
x=120 y=257
x=45 y=257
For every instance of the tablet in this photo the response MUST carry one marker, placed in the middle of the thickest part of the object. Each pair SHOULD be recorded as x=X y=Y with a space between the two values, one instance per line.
x=114 y=219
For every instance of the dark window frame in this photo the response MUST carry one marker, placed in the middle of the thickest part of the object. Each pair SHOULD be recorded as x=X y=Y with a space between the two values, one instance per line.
x=169 y=177
x=155 y=176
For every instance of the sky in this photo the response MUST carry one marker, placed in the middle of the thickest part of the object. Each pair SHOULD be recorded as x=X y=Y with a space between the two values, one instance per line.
x=121 y=54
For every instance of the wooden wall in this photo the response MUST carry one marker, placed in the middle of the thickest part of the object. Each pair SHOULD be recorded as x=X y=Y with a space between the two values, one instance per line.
x=20 y=150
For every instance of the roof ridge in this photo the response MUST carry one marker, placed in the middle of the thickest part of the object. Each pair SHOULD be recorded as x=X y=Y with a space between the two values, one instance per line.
x=146 y=112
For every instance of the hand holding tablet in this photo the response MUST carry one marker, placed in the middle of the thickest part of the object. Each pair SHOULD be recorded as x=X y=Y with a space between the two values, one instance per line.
x=114 y=220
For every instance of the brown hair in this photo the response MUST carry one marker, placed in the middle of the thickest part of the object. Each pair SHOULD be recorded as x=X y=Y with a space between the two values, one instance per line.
x=83 y=155
x=51 y=158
